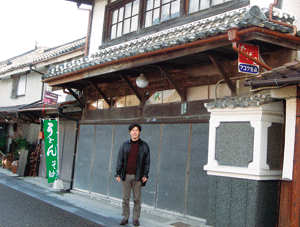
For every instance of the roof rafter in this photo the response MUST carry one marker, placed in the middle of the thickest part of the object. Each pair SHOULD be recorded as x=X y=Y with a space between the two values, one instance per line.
x=174 y=84
x=138 y=95
x=224 y=74
x=107 y=100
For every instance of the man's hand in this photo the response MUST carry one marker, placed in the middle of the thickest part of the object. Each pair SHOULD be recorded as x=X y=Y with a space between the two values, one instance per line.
x=118 y=179
x=144 y=179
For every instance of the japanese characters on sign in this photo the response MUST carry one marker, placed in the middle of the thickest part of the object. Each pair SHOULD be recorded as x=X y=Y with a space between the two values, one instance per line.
x=51 y=148
x=245 y=64
x=50 y=98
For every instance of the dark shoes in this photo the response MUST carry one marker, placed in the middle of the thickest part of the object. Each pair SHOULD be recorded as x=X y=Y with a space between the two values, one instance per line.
x=123 y=222
x=136 y=223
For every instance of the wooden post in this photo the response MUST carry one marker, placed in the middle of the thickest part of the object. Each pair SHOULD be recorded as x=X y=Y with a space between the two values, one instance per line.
x=290 y=190
x=295 y=206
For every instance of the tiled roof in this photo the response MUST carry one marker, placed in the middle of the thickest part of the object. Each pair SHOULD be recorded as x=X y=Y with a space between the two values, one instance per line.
x=288 y=74
x=38 y=55
x=197 y=30
x=242 y=101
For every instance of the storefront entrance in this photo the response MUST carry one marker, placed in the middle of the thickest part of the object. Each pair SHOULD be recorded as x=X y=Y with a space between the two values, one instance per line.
x=177 y=181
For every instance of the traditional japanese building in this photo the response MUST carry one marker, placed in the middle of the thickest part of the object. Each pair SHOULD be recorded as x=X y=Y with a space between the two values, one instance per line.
x=22 y=105
x=192 y=73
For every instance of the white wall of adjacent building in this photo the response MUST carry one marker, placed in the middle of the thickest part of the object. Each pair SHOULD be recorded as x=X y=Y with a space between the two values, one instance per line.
x=97 y=26
x=32 y=93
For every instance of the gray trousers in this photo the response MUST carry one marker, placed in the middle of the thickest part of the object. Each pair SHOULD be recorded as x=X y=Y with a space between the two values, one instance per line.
x=136 y=186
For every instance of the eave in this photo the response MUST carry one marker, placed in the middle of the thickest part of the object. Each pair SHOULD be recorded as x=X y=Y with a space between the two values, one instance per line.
x=172 y=52
x=160 y=56
x=286 y=75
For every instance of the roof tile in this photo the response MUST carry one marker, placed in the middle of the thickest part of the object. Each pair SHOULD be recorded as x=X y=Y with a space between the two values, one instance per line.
x=38 y=55
x=201 y=29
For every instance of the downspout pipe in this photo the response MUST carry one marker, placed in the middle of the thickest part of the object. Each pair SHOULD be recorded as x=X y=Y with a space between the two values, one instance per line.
x=42 y=93
x=235 y=38
x=279 y=22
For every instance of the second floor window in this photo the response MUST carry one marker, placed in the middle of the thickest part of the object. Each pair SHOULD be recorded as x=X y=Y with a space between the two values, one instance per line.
x=158 y=11
x=125 y=19
x=135 y=15
x=197 y=5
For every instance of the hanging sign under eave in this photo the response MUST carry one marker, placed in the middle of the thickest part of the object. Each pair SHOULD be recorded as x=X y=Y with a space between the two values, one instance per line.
x=50 y=98
x=245 y=64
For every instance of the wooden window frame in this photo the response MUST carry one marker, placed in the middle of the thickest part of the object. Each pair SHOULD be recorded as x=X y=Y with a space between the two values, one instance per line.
x=159 y=8
x=184 y=17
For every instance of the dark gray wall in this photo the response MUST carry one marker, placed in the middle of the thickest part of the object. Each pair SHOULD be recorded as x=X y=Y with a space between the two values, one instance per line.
x=172 y=167
x=240 y=202
x=101 y=159
x=177 y=181
x=67 y=138
x=275 y=146
x=85 y=149
x=197 y=176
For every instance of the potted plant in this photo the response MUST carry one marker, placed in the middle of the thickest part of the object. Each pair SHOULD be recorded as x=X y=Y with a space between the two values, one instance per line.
x=19 y=145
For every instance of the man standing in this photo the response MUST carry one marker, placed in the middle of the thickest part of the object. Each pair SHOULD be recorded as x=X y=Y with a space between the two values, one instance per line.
x=133 y=166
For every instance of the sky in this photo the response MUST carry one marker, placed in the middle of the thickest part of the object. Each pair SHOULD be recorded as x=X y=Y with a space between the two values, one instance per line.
x=50 y=23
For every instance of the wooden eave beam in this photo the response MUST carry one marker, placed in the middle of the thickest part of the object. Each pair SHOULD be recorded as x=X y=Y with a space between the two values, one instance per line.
x=138 y=95
x=174 y=84
x=31 y=119
x=80 y=102
x=224 y=74
x=107 y=100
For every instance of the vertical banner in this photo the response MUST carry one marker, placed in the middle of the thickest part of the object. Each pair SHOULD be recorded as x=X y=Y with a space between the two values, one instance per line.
x=51 y=148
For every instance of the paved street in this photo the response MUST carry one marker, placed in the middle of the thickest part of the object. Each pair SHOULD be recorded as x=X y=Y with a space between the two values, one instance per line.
x=39 y=207
x=19 y=209
x=28 y=201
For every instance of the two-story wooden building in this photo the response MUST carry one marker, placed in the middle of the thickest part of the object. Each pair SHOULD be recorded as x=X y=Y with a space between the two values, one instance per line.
x=219 y=144
x=22 y=104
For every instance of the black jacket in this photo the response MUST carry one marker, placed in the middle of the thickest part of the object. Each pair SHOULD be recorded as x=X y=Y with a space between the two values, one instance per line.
x=143 y=160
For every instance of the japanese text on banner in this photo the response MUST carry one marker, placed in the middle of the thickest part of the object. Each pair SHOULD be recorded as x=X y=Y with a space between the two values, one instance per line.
x=51 y=148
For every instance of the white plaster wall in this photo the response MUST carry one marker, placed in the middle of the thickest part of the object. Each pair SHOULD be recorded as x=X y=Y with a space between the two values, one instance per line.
x=264 y=3
x=5 y=91
x=33 y=90
x=97 y=26
x=208 y=92
x=293 y=6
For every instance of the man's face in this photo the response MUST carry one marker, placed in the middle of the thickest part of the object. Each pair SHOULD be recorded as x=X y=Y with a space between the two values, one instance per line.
x=135 y=133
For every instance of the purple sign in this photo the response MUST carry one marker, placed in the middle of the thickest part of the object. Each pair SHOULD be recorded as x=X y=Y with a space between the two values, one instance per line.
x=50 y=98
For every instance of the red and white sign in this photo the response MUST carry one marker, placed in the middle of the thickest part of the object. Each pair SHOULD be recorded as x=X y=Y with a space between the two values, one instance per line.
x=50 y=98
x=245 y=64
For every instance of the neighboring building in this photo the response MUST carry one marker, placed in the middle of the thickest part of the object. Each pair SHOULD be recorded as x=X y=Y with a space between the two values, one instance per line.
x=22 y=93
x=219 y=150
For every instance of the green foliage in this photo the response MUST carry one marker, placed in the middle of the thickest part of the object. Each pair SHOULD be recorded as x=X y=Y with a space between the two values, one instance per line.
x=20 y=143
x=3 y=145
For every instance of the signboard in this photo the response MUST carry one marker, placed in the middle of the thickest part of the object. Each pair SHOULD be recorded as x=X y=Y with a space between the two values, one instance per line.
x=50 y=98
x=245 y=64
x=51 y=148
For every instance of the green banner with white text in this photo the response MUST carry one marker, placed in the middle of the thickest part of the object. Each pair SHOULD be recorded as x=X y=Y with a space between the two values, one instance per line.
x=51 y=148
